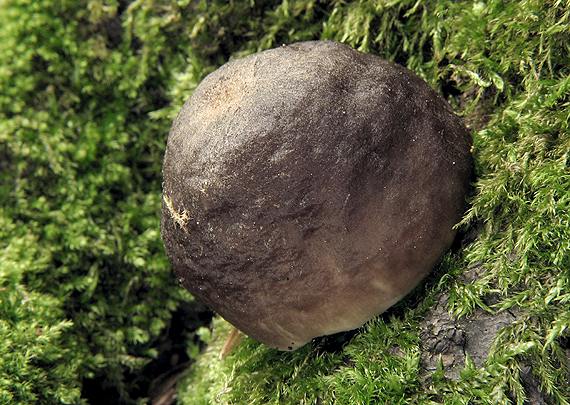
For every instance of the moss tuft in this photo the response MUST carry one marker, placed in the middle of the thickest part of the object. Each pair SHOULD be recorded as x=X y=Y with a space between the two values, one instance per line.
x=504 y=66
x=88 y=90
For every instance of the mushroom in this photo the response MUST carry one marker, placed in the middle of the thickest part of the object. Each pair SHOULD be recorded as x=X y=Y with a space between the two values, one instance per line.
x=310 y=187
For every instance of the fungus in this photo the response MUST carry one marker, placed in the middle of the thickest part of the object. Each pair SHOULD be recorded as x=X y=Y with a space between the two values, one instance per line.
x=308 y=188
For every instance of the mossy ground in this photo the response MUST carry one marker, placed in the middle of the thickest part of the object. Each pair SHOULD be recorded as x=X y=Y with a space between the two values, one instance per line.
x=504 y=66
x=88 y=90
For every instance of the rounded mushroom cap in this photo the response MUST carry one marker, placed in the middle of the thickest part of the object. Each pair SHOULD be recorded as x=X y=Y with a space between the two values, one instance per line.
x=310 y=187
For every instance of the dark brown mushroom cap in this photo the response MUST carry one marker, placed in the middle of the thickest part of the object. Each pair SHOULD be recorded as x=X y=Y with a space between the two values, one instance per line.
x=310 y=187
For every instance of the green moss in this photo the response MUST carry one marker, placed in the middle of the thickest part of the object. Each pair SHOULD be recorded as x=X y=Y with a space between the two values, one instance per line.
x=87 y=93
x=504 y=66
x=35 y=362
x=81 y=162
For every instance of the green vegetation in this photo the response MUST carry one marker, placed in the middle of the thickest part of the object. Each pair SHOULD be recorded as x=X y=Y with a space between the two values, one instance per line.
x=505 y=67
x=87 y=93
x=85 y=287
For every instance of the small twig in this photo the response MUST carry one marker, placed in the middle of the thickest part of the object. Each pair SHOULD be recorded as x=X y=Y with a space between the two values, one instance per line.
x=231 y=342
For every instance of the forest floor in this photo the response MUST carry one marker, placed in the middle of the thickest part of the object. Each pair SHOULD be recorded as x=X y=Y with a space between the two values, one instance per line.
x=89 y=308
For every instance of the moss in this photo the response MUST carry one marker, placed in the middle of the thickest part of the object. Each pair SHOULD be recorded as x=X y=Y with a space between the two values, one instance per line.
x=32 y=327
x=81 y=163
x=88 y=90
x=510 y=58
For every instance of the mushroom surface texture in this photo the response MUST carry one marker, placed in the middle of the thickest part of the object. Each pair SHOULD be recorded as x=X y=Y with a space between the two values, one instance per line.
x=310 y=187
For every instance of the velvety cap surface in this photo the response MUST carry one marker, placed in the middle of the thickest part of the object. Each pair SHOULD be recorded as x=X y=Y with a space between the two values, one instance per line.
x=310 y=187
